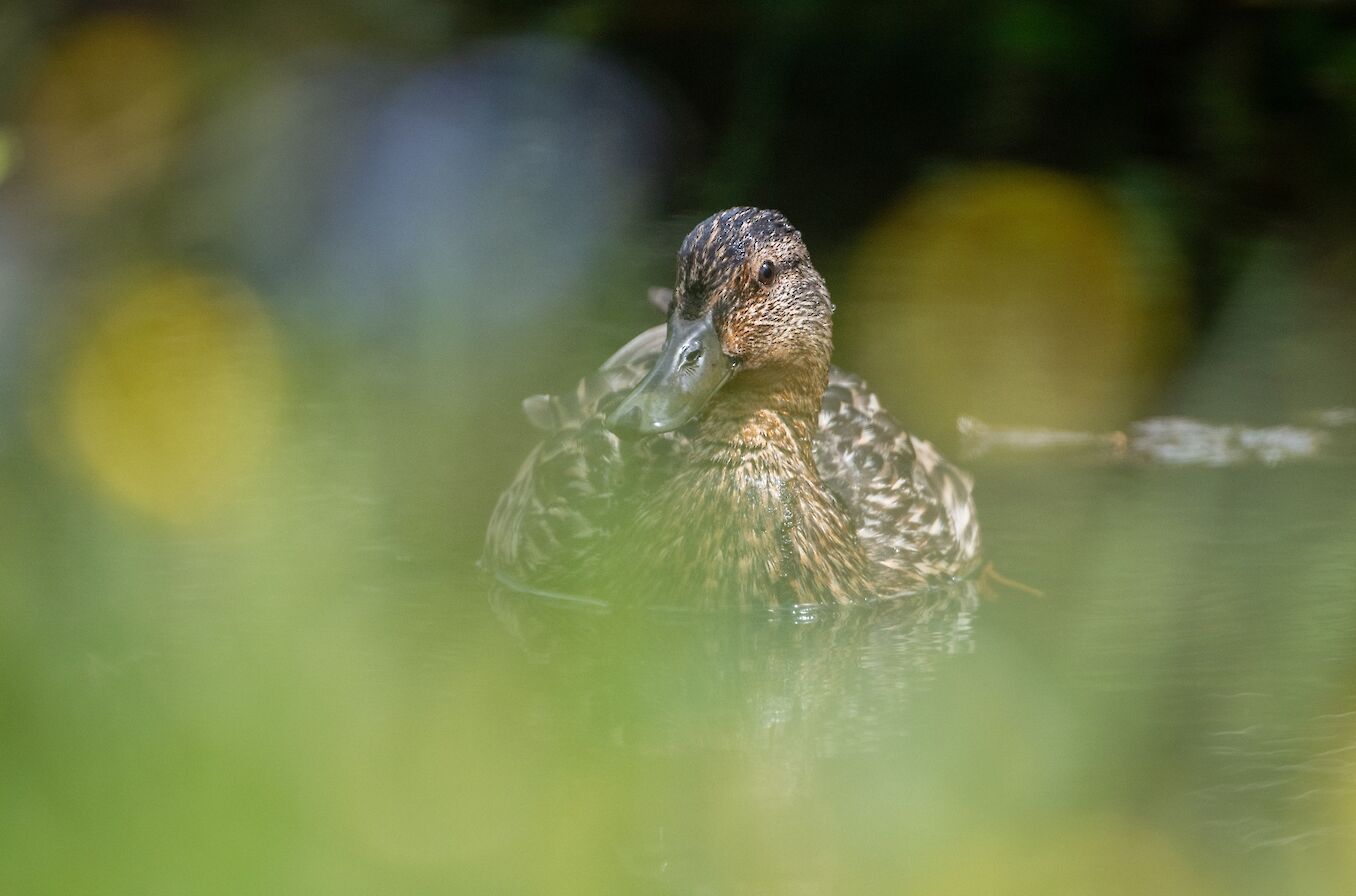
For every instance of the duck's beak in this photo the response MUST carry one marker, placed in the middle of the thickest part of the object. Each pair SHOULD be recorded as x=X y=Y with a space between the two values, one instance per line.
x=690 y=369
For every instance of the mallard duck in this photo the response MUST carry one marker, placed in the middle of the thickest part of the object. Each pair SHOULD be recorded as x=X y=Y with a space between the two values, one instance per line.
x=721 y=458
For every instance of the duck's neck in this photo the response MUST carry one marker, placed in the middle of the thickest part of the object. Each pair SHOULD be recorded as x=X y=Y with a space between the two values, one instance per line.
x=769 y=529
x=776 y=411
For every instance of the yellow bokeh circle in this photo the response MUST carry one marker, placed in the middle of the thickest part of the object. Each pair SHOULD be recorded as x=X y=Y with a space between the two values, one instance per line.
x=171 y=401
x=1017 y=295
x=105 y=109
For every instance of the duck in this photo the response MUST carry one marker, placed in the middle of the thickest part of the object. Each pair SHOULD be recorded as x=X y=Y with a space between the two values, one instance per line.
x=721 y=458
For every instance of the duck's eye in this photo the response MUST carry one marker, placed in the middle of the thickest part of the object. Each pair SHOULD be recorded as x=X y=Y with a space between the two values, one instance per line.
x=766 y=271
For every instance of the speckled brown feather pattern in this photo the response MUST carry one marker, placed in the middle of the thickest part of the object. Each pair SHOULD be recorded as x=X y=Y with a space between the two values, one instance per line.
x=794 y=486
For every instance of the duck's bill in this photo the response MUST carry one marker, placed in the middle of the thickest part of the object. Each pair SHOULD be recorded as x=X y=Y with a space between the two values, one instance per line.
x=690 y=369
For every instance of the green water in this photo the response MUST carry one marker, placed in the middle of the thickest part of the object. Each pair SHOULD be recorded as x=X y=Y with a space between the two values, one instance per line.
x=1176 y=714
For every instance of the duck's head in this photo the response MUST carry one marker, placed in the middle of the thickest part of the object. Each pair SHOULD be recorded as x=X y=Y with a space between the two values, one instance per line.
x=748 y=307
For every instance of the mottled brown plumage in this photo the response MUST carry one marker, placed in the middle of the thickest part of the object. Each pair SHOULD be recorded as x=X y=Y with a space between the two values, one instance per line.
x=788 y=485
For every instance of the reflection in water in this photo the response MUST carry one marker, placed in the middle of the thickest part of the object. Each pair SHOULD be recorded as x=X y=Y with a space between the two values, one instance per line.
x=752 y=710
x=1174 y=441
x=830 y=679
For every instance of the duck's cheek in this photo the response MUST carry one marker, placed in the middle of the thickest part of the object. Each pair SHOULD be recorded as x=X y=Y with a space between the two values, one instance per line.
x=738 y=339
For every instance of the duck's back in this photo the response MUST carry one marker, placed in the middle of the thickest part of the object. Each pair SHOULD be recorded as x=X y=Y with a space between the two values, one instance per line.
x=913 y=511
x=561 y=508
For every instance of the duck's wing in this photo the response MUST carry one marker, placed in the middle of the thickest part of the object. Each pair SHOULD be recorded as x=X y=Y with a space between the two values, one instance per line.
x=914 y=511
x=596 y=392
x=559 y=508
